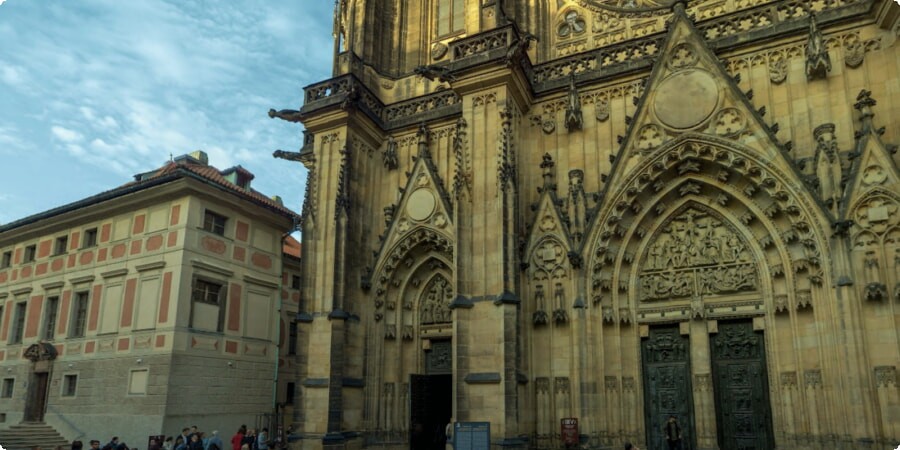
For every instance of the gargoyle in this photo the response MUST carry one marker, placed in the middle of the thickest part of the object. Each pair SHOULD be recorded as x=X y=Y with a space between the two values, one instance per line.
x=519 y=48
x=432 y=71
x=291 y=115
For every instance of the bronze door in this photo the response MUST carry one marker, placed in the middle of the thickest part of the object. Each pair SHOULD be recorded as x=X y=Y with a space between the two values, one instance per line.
x=37 y=398
x=743 y=416
x=665 y=354
x=431 y=401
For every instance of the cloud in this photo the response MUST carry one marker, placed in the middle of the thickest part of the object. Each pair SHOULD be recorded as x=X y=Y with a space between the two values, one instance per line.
x=125 y=84
x=66 y=135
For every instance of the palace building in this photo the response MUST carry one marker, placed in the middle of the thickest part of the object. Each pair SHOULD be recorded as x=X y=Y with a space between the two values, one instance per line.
x=164 y=303
x=610 y=210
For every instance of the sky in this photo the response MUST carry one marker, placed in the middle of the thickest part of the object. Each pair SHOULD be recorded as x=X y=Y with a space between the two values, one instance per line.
x=95 y=91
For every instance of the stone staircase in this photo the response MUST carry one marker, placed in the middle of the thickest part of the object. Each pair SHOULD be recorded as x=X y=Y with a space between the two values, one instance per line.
x=31 y=435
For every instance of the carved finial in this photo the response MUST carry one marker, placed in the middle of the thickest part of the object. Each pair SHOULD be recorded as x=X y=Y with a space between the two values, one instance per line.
x=574 y=120
x=818 y=63
x=825 y=141
x=389 y=156
x=423 y=136
x=343 y=193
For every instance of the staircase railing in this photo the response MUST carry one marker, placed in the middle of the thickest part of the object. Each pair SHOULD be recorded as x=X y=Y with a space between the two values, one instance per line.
x=64 y=419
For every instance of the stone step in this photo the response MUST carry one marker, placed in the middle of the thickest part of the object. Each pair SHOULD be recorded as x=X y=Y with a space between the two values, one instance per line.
x=31 y=435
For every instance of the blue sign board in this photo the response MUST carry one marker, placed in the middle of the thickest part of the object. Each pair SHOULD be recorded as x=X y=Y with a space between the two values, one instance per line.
x=472 y=436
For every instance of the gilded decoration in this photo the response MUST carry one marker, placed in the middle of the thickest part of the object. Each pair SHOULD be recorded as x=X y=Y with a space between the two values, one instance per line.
x=696 y=254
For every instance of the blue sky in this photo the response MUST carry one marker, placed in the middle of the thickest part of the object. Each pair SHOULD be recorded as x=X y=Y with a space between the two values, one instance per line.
x=95 y=91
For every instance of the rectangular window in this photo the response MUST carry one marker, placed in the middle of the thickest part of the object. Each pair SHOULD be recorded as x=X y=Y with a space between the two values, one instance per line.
x=137 y=385
x=70 y=384
x=7 y=260
x=214 y=223
x=292 y=336
x=207 y=305
x=79 y=315
x=295 y=282
x=90 y=238
x=451 y=16
x=50 y=320
x=289 y=393
x=30 y=252
x=7 y=389
x=18 y=323
x=62 y=244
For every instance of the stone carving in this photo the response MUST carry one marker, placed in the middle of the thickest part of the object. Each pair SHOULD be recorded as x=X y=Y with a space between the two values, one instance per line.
x=602 y=108
x=561 y=385
x=577 y=205
x=438 y=51
x=818 y=63
x=854 y=52
x=611 y=383
x=828 y=165
x=804 y=299
x=308 y=210
x=628 y=383
x=876 y=214
x=702 y=382
x=435 y=302
x=573 y=24
x=729 y=122
x=390 y=331
x=696 y=254
x=574 y=119
x=559 y=296
x=789 y=379
x=342 y=200
x=875 y=292
x=548 y=126
x=695 y=87
x=649 y=137
x=885 y=376
x=548 y=260
x=506 y=164
x=542 y=385
x=462 y=178
x=435 y=72
x=778 y=68
x=813 y=378
x=682 y=57
x=389 y=156
x=41 y=351
x=408 y=332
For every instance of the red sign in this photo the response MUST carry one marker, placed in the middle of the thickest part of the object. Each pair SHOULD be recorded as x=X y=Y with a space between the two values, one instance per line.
x=569 y=431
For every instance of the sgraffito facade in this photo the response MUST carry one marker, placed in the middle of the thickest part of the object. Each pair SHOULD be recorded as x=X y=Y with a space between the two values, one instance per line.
x=524 y=211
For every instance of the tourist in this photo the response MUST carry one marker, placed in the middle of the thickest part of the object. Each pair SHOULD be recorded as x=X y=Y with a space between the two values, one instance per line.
x=95 y=444
x=214 y=442
x=238 y=438
x=262 y=440
x=180 y=444
x=169 y=444
x=195 y=443
x=673 y=433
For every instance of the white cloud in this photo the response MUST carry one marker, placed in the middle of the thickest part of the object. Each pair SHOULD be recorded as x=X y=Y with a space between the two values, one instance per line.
x=65 y=134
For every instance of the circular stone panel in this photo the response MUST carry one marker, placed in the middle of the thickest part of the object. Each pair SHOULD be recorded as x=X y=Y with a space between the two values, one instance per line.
x=686 y=99
x=421 y=204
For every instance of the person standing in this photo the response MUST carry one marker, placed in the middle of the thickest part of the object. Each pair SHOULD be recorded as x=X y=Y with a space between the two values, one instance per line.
x=673 y=433
x=262 y=439
x=238 y=438
x=448 y=431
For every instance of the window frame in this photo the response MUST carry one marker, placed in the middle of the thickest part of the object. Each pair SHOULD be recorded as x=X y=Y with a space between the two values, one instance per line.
x=92 y=234
x=78 y=322
x=295 y=282
x=290 y=389
x=221 y=301
x=64 y=240
x=51 y=318
x=69 y=386
x=18 y=326
x=293 y=333
x=451 y=30
x=211 y=222
x=29 y=254
x=9 y=384
x=6 y=260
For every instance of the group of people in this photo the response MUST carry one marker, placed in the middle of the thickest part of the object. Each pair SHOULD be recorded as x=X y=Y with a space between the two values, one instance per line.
x=194 y=439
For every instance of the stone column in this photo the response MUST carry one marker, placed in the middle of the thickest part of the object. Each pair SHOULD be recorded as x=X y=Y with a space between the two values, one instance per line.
x=701 y=371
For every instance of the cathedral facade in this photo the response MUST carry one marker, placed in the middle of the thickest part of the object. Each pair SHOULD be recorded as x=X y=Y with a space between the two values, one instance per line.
x=520 y=212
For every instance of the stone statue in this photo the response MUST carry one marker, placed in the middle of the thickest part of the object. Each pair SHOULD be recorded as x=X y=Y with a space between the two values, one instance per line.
x=818 y=63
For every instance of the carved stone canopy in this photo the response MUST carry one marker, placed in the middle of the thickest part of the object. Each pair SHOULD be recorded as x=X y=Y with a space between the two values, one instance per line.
x=42 y=351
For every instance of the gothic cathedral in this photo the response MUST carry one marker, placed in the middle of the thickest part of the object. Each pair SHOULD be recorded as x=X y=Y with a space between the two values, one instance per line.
x=616 y=211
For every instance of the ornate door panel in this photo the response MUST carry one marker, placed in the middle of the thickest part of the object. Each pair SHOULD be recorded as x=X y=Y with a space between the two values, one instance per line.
x=743 y=417
x=667 y=385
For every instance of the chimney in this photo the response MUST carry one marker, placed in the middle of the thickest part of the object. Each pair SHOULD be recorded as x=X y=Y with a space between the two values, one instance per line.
x=201 y=156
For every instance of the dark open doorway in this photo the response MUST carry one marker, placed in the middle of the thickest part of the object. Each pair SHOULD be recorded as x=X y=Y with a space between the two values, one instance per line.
x=431 y=406
x=37 y=397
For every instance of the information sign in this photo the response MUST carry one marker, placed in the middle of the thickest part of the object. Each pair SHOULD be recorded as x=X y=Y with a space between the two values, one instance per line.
x=569 y=431
x=472 y=436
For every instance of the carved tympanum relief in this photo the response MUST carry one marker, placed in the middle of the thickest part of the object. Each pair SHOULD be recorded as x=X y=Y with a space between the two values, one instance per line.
x=695 y=253
x=435 y=302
